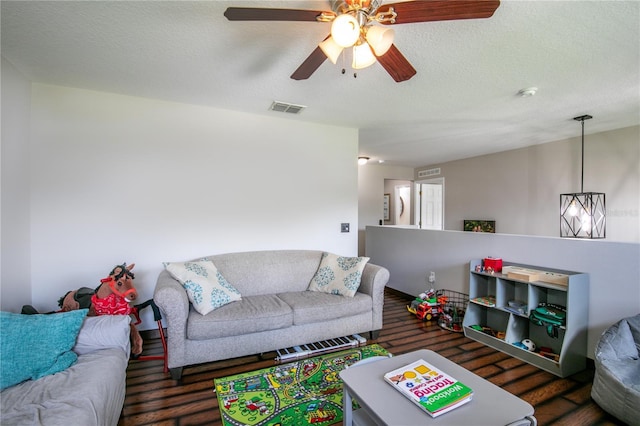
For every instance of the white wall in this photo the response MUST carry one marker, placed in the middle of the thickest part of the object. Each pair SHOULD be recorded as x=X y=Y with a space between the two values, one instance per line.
x=520 y=189
x=116 y=178
x=15 y=276
x=371 y=179
x=613 y=267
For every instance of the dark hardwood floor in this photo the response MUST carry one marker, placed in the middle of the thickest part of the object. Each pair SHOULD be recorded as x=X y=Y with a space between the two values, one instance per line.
x=154 y=399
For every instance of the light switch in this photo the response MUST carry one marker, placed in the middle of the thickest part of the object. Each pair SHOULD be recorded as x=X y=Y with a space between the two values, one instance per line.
x=344 y=227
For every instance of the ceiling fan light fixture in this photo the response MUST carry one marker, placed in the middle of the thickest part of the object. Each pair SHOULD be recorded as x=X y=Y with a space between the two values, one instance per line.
x=350 y=21
x=362 y=56
x=331 y=49
x=345 y=30
x=380 y=39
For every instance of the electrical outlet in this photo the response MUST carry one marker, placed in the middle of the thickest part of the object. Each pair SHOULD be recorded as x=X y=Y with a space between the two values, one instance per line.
x=344 y=227
x=432 y=277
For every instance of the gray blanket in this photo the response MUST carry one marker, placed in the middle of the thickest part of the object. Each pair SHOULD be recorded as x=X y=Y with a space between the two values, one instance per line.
x=91 y=392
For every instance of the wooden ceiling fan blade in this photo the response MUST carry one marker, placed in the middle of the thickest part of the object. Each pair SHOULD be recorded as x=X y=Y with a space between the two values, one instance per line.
x=440 y=10
x=265 y=14
x=310 y=65
x=396 y=65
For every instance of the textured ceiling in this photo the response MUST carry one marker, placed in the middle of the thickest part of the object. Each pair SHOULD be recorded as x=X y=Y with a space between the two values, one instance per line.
x=584 y=57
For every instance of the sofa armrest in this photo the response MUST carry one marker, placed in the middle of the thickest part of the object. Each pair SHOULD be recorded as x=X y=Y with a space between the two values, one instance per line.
x=172 y=299
x=374 y=280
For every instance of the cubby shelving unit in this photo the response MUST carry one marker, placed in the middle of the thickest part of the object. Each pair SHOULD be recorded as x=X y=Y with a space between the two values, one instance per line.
x=571 y=343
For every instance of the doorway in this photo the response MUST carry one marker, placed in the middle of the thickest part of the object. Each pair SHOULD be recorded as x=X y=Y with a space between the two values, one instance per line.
x=399 y=202
x=402 y=200
x=430 y=203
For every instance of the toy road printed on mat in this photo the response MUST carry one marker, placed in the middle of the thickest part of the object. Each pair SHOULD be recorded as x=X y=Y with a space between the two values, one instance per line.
x=305 y=392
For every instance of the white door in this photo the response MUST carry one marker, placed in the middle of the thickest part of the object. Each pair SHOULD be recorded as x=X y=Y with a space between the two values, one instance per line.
x=403 y=205
x=431 y=205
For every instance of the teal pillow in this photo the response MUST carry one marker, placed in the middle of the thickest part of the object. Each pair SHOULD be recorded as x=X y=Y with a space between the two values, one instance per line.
x=33 y=346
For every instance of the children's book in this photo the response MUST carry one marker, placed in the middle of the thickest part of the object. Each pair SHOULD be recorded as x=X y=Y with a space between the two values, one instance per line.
x=485 y=300
x=428 y=387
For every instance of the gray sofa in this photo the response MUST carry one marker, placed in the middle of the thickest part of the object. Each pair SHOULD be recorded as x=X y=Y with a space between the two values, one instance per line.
x=276 y=310
x=616 y=384
x=90 y=393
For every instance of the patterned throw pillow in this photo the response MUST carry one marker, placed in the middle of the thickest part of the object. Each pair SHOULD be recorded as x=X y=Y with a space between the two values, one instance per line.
x=338 y=275
x=206 y=287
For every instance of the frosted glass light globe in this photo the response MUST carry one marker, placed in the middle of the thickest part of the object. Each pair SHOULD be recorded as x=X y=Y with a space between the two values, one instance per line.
x=362 y=56
x=345 y=30
x=380 y=39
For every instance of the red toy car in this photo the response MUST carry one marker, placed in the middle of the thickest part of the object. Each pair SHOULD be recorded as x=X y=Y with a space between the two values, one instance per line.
x=426 y=311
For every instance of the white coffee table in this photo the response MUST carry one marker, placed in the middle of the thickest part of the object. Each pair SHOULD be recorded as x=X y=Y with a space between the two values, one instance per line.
x=382 y=405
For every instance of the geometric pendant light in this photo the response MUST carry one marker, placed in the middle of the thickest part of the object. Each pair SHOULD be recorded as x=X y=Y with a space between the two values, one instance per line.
x=583 y=214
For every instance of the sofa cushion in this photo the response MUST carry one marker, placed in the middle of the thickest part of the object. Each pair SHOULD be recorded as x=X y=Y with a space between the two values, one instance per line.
x=206 y=288
x=34 y=346
x=252 y=314
x=312 y=306
x=338 y=274
x=269 y=271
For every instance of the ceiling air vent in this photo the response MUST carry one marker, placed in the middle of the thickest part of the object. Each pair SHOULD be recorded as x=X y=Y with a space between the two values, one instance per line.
x=286 y=107
x=429 y=172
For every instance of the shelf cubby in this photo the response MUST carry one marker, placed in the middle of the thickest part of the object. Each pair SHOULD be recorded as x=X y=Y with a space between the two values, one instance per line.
x=568 y=343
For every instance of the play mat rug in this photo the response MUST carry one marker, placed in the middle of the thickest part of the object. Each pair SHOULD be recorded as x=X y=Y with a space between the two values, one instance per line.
x=304 y=392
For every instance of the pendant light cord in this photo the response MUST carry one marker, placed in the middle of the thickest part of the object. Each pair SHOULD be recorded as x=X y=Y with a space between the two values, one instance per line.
x=581 y=120
x=582 y=165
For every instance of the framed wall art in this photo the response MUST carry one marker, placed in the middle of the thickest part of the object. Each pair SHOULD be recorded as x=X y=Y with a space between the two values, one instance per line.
x=480 y=226
x=385 y=206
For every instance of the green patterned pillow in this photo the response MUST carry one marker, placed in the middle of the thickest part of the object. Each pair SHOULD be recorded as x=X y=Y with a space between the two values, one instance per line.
x=34 y=346
x=338 y=275
x=206 y=287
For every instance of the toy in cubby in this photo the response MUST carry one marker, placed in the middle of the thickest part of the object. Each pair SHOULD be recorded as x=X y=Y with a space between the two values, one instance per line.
x=548 y=353
x=526 y=344
x=529 y=345
x=490 y=331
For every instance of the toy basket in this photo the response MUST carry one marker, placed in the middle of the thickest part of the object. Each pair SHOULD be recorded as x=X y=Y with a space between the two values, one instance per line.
x=453 y=309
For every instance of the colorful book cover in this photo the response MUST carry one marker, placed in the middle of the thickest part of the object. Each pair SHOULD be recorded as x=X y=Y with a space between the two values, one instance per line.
x=428 y=387
x=485 y=300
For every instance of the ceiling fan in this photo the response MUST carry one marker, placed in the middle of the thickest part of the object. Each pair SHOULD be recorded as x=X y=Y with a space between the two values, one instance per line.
x=363 y=26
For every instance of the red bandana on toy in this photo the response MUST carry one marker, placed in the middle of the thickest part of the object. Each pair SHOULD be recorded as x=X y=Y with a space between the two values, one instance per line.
x=111 y=305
